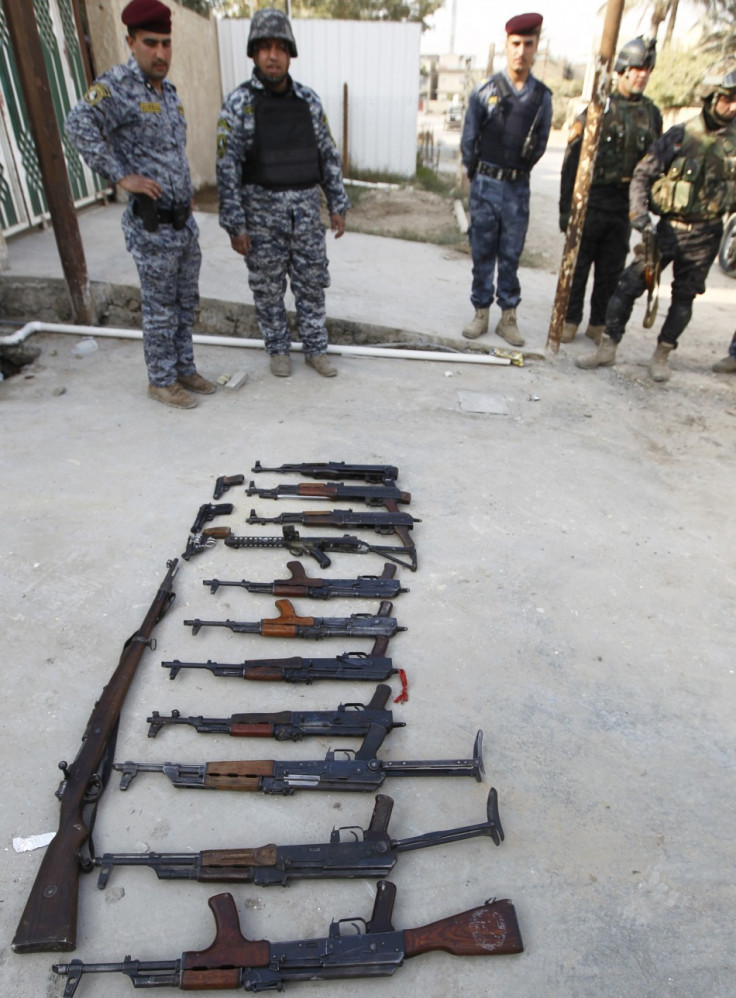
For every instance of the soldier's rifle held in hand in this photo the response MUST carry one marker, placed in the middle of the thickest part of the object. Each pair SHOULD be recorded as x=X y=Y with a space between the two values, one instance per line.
x=351 y=852
x=370 y=948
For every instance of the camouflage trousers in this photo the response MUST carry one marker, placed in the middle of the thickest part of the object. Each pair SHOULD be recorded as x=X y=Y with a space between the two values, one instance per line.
x=499 y=218
x=168 y=265
x=287 y=240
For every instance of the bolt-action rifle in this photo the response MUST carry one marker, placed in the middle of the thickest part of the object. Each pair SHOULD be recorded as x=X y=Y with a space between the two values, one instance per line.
x=382 y=587
x=49 y=920
x=371 y=495
x=334 y=470
x=290 y=625
x=353 y=720
x=351 y=852
x=314 y=547
x=341 y=769
x=367 y=949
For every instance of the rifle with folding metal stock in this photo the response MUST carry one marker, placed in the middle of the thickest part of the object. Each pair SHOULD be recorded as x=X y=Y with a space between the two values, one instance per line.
x=313 y=547
x=353 y=720
x=341 y=769
x=334 y=470
x=378 y=950
x=49 y=920
x=382 y=587
x=351 y=852
x=290 y=625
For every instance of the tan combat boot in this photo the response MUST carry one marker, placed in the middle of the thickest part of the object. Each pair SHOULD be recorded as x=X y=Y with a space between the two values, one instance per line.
x=280 y=365
x=173 y=395
x=196 y=383
x=477 y=325
x=322 y=365
x=594 y=333
x=604 y=356
x=725 y=366
x=658 y=369
x=508 y=329
x=568 y=332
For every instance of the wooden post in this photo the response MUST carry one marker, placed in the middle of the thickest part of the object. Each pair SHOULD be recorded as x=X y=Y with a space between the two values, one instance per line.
x=26 y=42
x=591 y=136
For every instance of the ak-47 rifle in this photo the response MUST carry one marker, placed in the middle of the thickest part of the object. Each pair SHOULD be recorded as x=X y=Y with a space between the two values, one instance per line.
x=377 y=950
x=382 y=523
x=371 y=495
x=49 y=920
x=382 y=587
x=351 y=852
x=290 y=625
x=314 y=547
x=651 y=275
x=352 y=770
x=207 y=512
x=353 y=720
x=335 y=470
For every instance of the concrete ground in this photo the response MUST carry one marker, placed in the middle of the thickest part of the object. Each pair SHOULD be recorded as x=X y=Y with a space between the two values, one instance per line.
x=575 y=600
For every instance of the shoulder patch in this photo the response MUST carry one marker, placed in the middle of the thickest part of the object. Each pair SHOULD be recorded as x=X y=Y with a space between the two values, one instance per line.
x=493 y=100
x=96 y=93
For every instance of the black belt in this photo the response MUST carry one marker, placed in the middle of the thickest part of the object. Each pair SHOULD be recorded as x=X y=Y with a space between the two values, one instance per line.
x=177 y=215
x=500 y=172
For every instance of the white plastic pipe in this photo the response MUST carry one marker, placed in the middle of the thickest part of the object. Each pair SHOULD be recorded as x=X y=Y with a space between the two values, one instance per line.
x=22 y=334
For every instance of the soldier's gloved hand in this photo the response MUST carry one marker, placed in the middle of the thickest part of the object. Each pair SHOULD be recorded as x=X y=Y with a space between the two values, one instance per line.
x=564 y=220
x=642 y=223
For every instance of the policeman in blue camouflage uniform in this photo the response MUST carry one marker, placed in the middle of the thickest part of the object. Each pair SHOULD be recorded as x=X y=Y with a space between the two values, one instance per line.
x=274 y=153
x=688 y=178
x=631 y=122
x=505 y=133
x=130 y=128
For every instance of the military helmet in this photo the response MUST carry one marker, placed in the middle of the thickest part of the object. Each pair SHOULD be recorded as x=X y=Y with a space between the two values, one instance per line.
x=639 y=53
x=270 y=23
x=720 y=79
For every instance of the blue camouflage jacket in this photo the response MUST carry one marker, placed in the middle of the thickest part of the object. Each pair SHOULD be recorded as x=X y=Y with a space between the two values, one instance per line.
x=123 y=125
x=235 y=137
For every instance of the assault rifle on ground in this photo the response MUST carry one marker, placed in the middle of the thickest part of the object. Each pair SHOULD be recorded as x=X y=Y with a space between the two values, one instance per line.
x=382 y=587
x=376 y=950
x=207 y=512
x=290 y=625
x=334 y=470
x=351 y=852
x=382 y=523
x=49 y=920
x=314 y=547
x=341 y=769
x=371 y=495
x=353 y=720
x=353 y=666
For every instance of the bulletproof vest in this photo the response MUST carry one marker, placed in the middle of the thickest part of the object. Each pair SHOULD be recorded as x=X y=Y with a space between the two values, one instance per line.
x=629 y=128
x=284 y=154
x=504 y=134
x=700 y=184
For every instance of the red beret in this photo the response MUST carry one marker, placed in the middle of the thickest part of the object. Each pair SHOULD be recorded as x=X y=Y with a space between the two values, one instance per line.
x=148 y=14
x=524 y=24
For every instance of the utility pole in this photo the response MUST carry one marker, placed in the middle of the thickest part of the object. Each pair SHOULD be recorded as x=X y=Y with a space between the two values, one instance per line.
x=26 y=43
x=589 y=148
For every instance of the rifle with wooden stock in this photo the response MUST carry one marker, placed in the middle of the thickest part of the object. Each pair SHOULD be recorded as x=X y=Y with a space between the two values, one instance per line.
x=351 y=852
x=378 y=950
x=383 y=587
x=49 y=920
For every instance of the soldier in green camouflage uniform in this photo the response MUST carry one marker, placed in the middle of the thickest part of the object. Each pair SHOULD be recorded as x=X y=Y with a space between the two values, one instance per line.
x=274 y=153
x=688 y=178
x=130 y=128
x=631 y=122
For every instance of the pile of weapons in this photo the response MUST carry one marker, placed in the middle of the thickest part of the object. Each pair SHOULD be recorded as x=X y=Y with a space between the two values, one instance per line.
x=49 y=921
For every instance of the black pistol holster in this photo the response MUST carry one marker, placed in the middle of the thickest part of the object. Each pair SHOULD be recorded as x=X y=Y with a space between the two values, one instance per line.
x=144 y=207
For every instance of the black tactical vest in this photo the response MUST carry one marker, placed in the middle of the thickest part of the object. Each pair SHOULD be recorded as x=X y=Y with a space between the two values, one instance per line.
x=510 y=124
x=629 y=128
x=284 y=154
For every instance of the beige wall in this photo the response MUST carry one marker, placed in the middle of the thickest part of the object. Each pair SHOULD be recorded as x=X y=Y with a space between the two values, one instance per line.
x=195 y=72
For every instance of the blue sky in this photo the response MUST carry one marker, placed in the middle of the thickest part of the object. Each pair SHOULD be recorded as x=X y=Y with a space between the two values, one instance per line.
x=570 y=26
